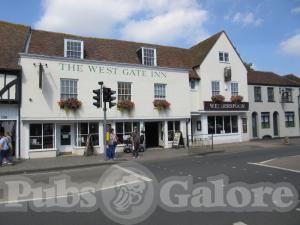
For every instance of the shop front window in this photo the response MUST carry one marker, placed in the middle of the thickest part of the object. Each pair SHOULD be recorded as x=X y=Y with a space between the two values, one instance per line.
x=222 y=124
x=84 y=129
x=173 y=126
x=124 y=130
x=41 y=136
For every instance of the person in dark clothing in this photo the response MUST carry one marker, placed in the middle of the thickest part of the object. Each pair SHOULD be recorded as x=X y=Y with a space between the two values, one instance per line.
x=135 y=142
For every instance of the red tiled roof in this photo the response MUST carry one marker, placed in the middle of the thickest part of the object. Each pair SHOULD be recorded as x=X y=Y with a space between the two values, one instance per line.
x=270 y=79
x=12 y=42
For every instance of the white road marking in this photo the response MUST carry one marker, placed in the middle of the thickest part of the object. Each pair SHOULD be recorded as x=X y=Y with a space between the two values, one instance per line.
x=239 y=223
x=147 y=179
x=274 y=167
x=233 y=167
x=298 y=209
x=263 y=162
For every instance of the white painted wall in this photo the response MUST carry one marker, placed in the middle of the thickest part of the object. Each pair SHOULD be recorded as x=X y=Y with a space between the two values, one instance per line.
x=212 y=69
x=271 y=107
x=44 y=102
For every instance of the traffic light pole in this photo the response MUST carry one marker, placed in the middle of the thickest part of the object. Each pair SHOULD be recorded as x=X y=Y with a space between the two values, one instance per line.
x=104 y=129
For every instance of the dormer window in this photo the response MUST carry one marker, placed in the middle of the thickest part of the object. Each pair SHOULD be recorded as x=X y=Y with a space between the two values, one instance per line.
x=149 y=56
x=73 y=49
x=223 y=56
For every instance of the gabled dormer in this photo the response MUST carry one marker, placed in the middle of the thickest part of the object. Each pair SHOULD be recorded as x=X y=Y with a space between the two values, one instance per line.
x=73 y=49
x=148 y=56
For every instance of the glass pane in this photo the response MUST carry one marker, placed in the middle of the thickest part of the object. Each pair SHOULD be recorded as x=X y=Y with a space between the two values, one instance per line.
x=227 y=124
x=35 y=130
x=137 y=125
x=95 y=139
x=119 y=128
x=234 y=122
x=35 y=143
x=47 y=129
x=170 y=125
x=82 y=140
x=48 y=142
x=94 y=128
x=83 y=128
x=211 y=124
x=65 y=135
x=128 y=127
x=219 y=124
x=177 y=125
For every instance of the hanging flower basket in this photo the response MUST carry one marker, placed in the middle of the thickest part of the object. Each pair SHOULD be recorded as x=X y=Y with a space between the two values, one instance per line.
x=236 y=99
x=125 y=105
x=70 y=104
x=218 y=98
x=161 y=104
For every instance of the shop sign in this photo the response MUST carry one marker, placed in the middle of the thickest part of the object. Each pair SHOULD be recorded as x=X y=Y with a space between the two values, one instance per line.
x=226 y=106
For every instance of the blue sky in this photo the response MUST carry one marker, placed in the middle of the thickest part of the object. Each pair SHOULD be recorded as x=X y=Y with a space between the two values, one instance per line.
x=265 y=32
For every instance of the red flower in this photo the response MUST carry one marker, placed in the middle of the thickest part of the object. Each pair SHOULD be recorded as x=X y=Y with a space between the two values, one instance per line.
x=161 y=104
x=125 y=104
x=236 y=99
x=70 y=104
x=218 y=98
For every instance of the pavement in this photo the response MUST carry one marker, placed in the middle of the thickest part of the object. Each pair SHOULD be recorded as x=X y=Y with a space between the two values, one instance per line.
x=70 y=162
x=239 y=162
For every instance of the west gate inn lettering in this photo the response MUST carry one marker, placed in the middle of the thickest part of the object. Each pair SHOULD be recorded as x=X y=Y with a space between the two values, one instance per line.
x=111 y=70
x=226 y=106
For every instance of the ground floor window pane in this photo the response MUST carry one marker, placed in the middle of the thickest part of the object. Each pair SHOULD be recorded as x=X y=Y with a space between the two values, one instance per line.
x=227 y=124
x=35 y=129
x=128 y=128
x=84 y=129
x=234 y=122
x=48 y=142
x=211 y=125
x=124 y=129
x=41 y=136
x=219 y=124
x=177 y=125
x=244 y=121
x=35 y=143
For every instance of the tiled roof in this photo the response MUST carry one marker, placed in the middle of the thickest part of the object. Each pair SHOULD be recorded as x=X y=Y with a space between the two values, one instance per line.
x=201 y=50
x=52 y=44
x=12 y=42
x=293 y=78
x=269 y=78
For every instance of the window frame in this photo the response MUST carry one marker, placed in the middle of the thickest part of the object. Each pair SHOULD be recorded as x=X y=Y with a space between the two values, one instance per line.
x=160 y=96
x=273 y=95
x=122 y=96
x=66 y=48
x=289 y=123
x=154 y=56
x=69 y=95
x=237 y=92
x=233 y=130
x=79 y=134
x=42 y=136
x=124 y=133
x=217 y=92
x=223 y=57
x=265 y=124
x=260 y=94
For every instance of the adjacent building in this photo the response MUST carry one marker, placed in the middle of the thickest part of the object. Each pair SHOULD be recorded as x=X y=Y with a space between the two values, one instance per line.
x=274 y=104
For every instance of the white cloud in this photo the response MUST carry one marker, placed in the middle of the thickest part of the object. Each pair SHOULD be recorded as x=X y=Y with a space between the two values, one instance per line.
x=245 y=19
x=160 y=21
x=295 y=10
x=291 y=46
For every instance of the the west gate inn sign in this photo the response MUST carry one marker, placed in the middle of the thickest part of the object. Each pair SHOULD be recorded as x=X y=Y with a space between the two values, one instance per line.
x=111 y=70
x=226 y=106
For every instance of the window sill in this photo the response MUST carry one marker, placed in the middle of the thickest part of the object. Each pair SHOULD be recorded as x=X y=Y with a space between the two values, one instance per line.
x=42 y=150
x=286 y=102
x=224 y=62
x=258 y=101
x=272 y=101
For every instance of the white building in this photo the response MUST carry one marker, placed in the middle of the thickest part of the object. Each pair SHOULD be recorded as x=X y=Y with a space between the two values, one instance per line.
x=221 y=72
x=274 y=105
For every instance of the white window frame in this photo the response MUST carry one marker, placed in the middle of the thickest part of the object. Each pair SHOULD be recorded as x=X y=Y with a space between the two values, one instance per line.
x=77 y=41
x=79 y=134
x=42 y=137
x=234 y=92
x=121 y=96
x=214 y=90
x=154 y=56
x=73 y=92
x=223 y=56
x=162 y=89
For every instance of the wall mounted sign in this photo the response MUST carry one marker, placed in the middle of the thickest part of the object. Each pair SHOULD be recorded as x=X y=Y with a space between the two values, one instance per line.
x=111 y=70
x=226 y=106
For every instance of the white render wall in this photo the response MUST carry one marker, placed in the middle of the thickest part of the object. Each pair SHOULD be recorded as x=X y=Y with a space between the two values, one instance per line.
x=271 y=107
x=211 y=69
x=41 y=104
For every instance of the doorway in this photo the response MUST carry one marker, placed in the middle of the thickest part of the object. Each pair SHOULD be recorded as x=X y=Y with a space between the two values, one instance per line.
x=65 y=137
x=9 y=127
x=254 y=125
x=152 y=134
x=275 y=124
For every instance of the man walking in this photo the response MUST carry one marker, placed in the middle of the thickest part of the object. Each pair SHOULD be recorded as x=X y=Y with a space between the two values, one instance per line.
x=135 y=142
x=4 y=149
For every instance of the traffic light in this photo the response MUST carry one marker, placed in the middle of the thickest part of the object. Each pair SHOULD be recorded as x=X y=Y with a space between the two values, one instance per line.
x=108 y=96
x=112 y=98
x=97 y=97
